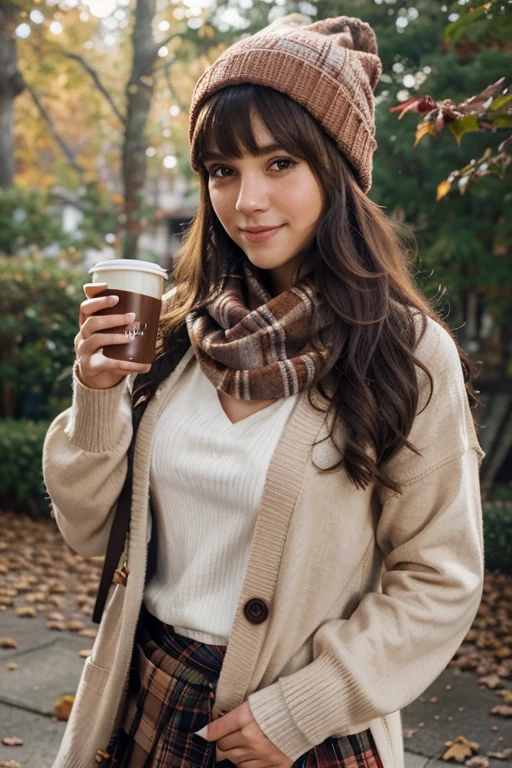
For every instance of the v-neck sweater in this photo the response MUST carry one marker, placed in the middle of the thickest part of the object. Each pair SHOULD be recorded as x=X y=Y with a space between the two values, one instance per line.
x=207 y=479
x=369 y=593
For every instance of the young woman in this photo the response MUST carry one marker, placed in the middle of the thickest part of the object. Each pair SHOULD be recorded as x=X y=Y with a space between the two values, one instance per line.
x=313 y=554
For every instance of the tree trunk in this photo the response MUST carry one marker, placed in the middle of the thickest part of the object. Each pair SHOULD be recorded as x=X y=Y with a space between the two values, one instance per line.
x=139 y=93
x=11 y=85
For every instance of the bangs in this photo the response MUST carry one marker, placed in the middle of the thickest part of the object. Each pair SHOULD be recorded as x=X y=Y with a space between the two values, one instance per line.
x=225 y=123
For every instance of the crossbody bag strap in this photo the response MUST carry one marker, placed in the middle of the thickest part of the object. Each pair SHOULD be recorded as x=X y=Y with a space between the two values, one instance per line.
x=121 y=523
x=162 y=368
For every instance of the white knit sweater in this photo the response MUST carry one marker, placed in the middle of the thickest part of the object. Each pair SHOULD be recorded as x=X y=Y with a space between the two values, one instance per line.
x=207 y=480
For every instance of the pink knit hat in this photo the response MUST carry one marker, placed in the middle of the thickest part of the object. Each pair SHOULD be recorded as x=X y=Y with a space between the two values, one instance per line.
x=331 y=68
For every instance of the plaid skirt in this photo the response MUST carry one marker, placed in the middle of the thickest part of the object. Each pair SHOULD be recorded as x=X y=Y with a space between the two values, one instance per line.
x=171 y=695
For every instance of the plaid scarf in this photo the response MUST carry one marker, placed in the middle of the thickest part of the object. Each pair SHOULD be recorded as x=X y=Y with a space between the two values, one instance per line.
x=258 y=354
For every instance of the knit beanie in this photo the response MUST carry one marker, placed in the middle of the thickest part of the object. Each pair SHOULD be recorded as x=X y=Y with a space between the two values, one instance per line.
x=331 y=68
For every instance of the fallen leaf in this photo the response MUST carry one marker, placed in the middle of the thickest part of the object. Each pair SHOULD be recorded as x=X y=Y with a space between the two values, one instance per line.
x=409 y=733
x=85 y=653
x=57 y=625
x=6 y=600
x=506 y=696
x=460 y=749
x=8 y=642
x=491 y=681
x=58 y=589
x=504 y=710
x=503 y=755
x=11 y=666
x=434 y=699
x=62 y=707
x=55 y=616
x=26 y=611
x=75 y=626
x=478 y=761
x=90 y=633
x=9 y=764
x=12 y=741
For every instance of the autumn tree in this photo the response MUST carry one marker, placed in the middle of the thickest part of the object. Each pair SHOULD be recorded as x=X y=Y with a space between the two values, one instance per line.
x=11 y=85
x=94 y=101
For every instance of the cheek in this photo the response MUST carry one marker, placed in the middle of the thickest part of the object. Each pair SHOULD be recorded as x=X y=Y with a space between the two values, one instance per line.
x=221 y=206
x=306 y=200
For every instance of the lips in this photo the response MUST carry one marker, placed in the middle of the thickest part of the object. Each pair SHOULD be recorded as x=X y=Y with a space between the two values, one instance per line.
x=260 y=234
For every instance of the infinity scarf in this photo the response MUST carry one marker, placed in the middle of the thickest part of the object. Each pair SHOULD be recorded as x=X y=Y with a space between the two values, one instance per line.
x=258 y=354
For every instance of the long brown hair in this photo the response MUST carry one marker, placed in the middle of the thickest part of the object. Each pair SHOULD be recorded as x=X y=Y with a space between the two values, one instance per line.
x=359 y=262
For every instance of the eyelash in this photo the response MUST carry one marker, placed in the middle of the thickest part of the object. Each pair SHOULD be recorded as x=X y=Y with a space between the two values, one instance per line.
x=213 y=170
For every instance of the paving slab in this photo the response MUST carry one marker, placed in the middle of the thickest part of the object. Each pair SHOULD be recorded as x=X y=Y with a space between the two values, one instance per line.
x=42 y=677
x=415 y=761
x=462 y=709
x=41 y=737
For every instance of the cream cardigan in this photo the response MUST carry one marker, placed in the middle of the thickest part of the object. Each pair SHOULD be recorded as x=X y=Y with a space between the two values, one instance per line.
x=369 y=593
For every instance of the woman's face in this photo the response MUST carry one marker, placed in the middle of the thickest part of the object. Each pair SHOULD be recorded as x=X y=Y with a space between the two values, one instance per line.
x=268 y=204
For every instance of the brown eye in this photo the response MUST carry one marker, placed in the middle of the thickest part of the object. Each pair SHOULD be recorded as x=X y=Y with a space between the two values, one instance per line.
x=220 y=172
x=283 y=163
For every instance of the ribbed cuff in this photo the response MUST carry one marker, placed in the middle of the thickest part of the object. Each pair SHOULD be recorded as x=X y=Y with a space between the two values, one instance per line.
x=303 y=709
x=270 y=711
x=94 y=416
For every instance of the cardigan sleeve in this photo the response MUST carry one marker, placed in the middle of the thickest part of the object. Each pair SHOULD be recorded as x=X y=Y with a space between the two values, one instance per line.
x=85 y=463
x=399 y=639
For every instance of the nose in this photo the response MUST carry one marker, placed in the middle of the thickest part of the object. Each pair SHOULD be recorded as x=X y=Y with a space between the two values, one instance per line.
x=252 y=195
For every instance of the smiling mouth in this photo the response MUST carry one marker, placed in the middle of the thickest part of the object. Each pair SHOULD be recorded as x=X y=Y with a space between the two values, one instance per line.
x=260 y=235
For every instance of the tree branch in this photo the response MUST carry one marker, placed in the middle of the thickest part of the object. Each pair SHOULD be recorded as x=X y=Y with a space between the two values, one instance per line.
x=97 y=82
x=171 y=87
x=60 y=141
x=167 y=40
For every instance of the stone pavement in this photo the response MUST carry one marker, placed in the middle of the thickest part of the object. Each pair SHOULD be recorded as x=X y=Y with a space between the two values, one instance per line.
x=49 y=667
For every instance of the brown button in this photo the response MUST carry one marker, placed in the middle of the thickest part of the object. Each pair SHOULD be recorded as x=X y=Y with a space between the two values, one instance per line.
x=256 y=610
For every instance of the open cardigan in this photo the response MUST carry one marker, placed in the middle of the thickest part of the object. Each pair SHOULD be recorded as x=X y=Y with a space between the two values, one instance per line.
x=366 y=594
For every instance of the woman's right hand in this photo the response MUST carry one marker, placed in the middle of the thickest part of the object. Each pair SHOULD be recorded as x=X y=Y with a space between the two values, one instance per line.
x=94 y=369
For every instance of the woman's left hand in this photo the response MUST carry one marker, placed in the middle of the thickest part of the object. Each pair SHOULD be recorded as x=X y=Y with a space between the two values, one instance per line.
x=240 y=740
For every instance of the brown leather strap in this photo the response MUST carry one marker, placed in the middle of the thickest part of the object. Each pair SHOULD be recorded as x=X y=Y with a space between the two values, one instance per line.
x=144 y=388
x=121 y=521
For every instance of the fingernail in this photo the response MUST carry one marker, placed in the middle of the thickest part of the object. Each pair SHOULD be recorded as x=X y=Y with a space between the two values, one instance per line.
x=203 y=733
x=114 y=299
x=130 y=316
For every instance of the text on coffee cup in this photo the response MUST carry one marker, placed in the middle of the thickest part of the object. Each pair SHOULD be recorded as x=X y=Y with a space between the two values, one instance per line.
x=136 y=329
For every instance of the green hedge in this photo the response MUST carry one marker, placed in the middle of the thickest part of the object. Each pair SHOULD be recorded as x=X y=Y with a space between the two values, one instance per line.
x=39 y=299
x=21 y=480
x=498 y=534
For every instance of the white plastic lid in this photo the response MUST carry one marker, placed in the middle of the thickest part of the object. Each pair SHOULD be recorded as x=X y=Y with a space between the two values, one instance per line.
x=129 y=265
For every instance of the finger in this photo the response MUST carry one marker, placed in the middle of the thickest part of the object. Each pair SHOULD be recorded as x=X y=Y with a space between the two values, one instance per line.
x=230 y=722
x=98 y=363
x=248 y=761
x=89 y=347
x=236 y=756
x=232 y=741
x=104 y=322
x=89 y=306
x=91 y=289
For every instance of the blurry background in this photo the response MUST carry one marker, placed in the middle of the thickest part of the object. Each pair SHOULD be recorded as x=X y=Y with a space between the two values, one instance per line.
x=94 y=164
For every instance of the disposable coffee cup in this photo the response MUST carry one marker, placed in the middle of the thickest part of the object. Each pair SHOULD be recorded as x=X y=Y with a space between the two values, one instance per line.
x=139 y=285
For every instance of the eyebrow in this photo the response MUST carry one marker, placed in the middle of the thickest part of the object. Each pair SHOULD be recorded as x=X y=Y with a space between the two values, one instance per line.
x=265 y=150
